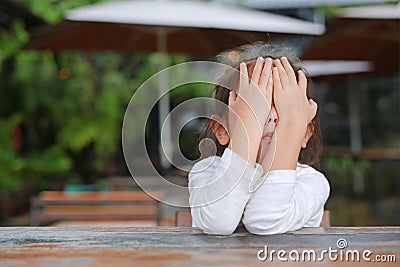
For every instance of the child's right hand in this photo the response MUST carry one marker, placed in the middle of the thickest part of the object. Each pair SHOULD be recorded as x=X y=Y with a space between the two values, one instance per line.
x=250 y=109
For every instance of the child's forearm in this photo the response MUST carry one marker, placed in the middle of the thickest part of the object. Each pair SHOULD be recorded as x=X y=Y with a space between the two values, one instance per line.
x=287 y=200
x=219 y=191
x=284 y=149
x=250 y=109
x=246 y=143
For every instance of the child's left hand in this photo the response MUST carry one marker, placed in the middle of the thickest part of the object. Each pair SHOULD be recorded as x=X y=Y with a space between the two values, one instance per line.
x=290 y=96
x=295 y=112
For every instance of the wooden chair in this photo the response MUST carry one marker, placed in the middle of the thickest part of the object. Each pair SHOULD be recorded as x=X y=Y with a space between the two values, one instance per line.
x=52 y=206
x=127 y=183
x=183 y=218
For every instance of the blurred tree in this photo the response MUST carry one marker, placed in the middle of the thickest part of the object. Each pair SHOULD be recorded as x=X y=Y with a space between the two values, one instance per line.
x=69 y=105
x=12 y=41
x=53 y=10
x=66 y=108
x=17 y=171
x=72 y=100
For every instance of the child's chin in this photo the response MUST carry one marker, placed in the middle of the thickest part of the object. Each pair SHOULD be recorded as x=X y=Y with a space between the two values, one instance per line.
x=266 y=140
x=265 y=145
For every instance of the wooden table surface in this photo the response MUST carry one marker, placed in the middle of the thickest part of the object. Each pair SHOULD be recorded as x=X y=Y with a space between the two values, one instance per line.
x=179 y=246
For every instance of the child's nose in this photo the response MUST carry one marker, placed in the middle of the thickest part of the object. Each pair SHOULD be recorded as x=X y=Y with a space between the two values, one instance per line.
x=273 y=116
x=271 y=119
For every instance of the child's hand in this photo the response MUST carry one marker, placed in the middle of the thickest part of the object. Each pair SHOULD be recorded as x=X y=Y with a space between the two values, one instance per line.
x=250 y=109
x=290 y=96
x=254 y=102
x=295 y=112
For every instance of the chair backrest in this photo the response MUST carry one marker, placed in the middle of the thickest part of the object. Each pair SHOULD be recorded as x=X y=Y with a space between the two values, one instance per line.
x=183 y=218
x=326 y=219
x=53 y=206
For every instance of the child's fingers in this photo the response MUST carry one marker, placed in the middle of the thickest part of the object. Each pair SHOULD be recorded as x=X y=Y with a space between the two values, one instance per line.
x=302 y=82
x=285 y=83
x=244 y=76
x=289 y=70
x=266 y=72
x=255 y=77
x=269 y=89
x=232 y=97
x=277 y=85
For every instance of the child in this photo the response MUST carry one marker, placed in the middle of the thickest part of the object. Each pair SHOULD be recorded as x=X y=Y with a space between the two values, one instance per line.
x=266 y=142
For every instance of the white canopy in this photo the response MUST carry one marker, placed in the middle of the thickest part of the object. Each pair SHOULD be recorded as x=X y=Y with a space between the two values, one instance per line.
x=372 y=12
x=292 y=4
x=192 y=14
x=336 y=67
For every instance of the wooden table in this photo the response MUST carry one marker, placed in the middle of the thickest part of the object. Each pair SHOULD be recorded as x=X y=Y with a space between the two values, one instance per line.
x=181 y=246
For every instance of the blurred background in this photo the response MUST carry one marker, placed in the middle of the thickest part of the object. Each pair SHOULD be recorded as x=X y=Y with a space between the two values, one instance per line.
x=64 y=90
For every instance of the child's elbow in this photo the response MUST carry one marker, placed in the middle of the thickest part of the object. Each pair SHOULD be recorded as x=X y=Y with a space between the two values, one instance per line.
x=220 y=230
x=217 y=228
x=264 y=229
x=268 y=230
x=214 y=226
x=268 y=226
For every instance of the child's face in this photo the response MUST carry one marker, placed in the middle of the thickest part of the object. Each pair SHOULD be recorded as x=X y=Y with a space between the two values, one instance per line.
x=269 y=126
x=268 y=132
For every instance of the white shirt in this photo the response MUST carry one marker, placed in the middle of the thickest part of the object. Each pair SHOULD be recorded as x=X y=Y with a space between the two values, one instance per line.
x=226 y=190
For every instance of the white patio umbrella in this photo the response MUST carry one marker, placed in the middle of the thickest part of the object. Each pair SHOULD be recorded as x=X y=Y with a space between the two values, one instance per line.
x=319 y=68
x=191 y=27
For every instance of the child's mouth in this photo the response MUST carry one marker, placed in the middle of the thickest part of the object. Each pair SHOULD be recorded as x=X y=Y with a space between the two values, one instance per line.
x=268 y=136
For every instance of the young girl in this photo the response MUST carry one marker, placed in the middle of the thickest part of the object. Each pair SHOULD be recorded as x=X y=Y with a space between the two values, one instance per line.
x=266 y=142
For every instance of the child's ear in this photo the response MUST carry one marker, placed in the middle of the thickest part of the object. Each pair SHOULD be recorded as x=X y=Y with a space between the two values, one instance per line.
x=219 y=131
x=309 y=133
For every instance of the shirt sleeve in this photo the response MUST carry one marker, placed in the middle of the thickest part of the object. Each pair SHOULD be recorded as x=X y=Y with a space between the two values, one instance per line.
x=219 y=189
x=287 y=200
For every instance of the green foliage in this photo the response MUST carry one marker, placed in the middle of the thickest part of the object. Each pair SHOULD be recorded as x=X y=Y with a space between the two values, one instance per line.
x=328 y=11
x=71 y=102
x=346 y=165
x=64 y=103
x=12 y=41
x=16 y=170
x=70 y=105
x=78 y=98
x=347 y=173
x=341 y=165
x=53 y=10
